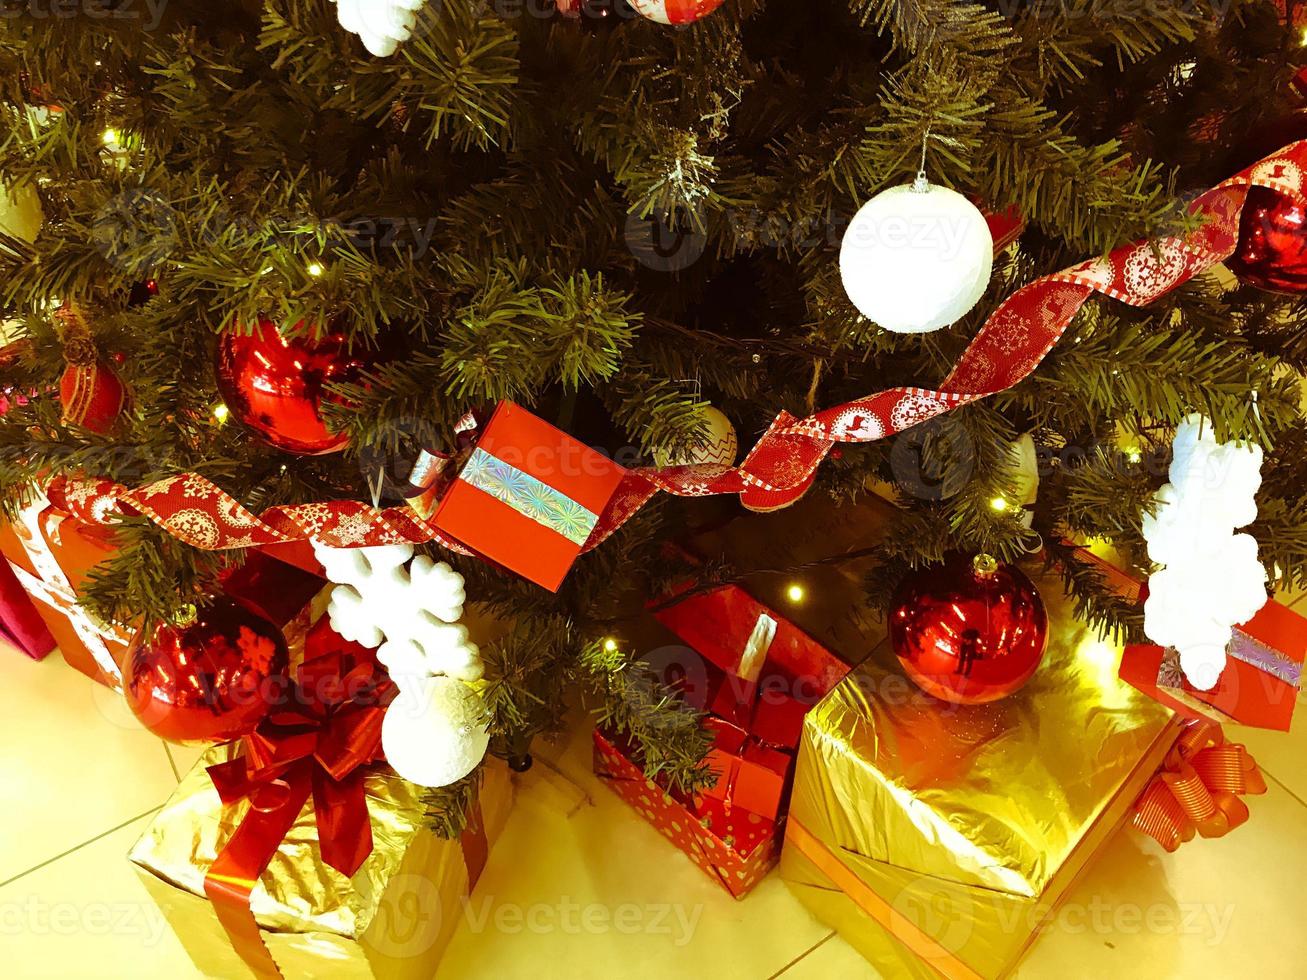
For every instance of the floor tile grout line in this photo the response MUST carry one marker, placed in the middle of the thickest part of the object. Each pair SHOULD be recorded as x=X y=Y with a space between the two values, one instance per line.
x=172 y=763
x=1282 y=786
x=111 y=830
x=807 y=952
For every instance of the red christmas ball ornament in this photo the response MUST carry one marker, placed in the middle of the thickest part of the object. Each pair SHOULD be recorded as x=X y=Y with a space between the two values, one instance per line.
x=276 y=383
x=675 y=11
x=1272 y=249
x=211 y=680
x=969 y=631
x=90 y=391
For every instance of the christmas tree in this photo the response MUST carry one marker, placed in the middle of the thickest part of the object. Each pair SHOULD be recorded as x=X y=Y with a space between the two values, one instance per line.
x=625 y=226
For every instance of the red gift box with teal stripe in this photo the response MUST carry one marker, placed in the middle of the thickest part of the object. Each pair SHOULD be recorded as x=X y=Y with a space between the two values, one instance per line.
x=528 y=496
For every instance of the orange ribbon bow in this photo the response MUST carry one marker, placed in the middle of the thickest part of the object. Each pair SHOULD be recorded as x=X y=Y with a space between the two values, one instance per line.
x=318 y=746
x=1198 y=788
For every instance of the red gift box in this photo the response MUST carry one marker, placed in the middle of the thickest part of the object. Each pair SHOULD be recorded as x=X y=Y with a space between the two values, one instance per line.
x=737 y=847
x=528 y=496
x=21 y=626
x=753 y=778
x=764 y=674
x=1263 y=669
x=1259 y=686
x=51 y=554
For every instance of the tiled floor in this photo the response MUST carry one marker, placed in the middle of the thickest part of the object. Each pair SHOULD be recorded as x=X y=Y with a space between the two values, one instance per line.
x=78 y=782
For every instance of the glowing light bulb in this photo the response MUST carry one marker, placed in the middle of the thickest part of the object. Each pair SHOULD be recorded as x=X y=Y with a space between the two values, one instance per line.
x=795 y=592
x=1133 y=454
x=999 y=504
x=220 y=412
x=109 y=137
x=610 y=645
x=315 y=269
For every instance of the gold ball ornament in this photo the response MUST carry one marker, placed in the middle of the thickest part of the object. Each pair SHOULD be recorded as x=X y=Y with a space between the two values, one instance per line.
x=719 y=445
x=20 y=212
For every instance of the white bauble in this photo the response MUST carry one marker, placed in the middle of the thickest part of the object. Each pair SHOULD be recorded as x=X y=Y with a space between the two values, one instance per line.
x=916 y=258
x=719 y=447
x=20 y=212
x=433 y=733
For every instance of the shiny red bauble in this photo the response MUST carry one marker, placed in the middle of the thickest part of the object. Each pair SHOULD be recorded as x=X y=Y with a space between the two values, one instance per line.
x=1272 y=249
x=675 y=11
x=276 y=383
x=212 y=680
x=970 y=630
x=92 y=395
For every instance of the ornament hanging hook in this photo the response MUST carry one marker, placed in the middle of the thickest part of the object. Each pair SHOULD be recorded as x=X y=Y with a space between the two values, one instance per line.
x=921 y=184
x=696 y=385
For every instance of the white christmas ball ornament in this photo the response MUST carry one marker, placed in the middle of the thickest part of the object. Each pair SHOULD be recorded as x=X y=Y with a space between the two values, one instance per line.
x=434 y=733
x=719 y=446
x=916 y=258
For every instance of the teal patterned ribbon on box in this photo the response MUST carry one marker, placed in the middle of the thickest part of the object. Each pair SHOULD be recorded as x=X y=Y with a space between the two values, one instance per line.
x=528 y=496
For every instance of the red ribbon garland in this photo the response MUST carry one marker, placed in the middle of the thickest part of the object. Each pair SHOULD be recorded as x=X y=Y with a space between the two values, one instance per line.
x=782 y=466
x=1198 y=788
x=318 y=747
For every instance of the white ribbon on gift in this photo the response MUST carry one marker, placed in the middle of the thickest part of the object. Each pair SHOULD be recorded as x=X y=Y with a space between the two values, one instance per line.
x=53 y=588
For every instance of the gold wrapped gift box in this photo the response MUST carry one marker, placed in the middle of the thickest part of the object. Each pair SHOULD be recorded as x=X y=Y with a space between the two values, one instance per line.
x=938 y=839
x=393 y=919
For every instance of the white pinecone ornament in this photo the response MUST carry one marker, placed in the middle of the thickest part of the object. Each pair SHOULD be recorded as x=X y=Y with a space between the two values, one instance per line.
x=380 y=24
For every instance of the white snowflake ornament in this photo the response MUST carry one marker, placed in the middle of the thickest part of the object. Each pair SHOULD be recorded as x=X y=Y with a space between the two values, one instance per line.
x=433 y=733
x=1212 y=580
x=410 y=614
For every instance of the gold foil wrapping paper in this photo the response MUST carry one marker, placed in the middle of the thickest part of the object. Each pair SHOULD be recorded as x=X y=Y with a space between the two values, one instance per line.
x=393 y=919
x=954 y=830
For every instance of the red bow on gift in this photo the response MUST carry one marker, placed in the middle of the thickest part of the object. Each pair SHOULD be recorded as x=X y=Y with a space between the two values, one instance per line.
x=318 y=746
x=1198 y=788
